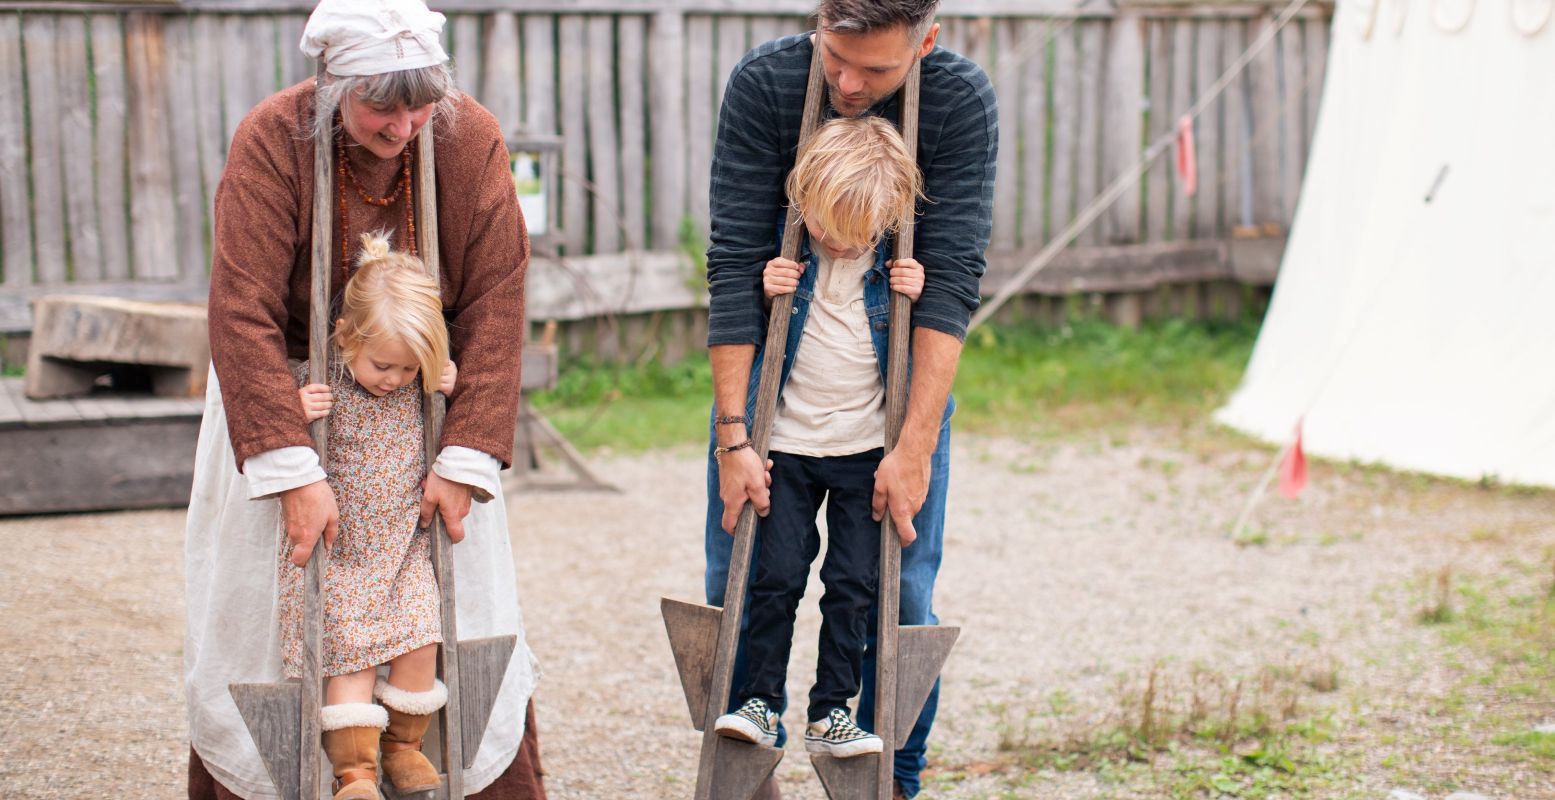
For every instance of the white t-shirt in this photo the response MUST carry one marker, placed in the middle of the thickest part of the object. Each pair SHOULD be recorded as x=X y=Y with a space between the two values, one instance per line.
x=834 y=401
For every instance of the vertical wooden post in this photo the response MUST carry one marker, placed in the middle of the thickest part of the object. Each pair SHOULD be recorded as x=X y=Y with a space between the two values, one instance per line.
x=433 y=409
x=603 y=150
x=309 y=761
x=761 y=436
x=1123 y=121
x=888 y=611
x=666 y=103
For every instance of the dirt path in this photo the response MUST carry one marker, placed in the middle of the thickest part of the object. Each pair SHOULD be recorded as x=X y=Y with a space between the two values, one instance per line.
x=1074 y=567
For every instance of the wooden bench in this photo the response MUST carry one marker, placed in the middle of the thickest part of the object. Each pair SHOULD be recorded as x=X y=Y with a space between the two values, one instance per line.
x=76 y=339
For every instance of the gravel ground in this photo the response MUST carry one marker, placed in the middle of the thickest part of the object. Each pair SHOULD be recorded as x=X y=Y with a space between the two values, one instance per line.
x=1073 y=566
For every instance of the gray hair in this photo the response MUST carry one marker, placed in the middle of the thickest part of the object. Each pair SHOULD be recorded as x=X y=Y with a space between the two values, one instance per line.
x=868 y=16
x=415 y=88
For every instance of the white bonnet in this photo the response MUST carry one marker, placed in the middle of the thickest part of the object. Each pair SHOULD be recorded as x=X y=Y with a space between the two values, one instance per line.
x=372 y=37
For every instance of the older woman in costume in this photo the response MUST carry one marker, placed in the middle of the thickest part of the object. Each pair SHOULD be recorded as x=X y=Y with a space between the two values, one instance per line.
x=257 y=476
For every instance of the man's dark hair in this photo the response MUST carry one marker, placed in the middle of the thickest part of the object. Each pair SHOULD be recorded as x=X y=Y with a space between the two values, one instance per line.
x=868 y=16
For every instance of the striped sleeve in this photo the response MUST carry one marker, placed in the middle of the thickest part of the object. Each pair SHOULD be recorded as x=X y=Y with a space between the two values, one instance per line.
x=746 y=195
x=955 y=224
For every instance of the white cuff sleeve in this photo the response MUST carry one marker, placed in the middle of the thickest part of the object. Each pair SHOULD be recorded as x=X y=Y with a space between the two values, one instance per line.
x=471 y=467
x=276 y=471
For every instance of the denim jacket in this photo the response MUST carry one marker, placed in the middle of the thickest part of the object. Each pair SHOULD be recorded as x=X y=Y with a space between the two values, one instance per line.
x=877 y=305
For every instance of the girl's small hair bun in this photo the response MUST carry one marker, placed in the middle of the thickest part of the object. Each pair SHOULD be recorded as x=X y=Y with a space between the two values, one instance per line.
x=374 y=246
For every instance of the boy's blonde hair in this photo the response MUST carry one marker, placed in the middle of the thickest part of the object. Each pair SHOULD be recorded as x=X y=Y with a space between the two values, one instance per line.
x=391 y=297
x=855 y=180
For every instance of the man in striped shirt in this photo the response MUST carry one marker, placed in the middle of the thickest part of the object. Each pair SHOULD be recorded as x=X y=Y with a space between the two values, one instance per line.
x=867 y=50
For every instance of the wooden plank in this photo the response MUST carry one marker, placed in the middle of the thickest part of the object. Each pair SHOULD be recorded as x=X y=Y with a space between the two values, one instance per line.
x=1007 y=86
x=571 y=41
x=183 y=131
x=1093 y=60
x=36 y=413
x=482 y=665
x=1208 y=214
x=210 y=140
x=1157 y=212
x=151 y=184
x=1236 y=161
x=89 y=411
x=236 y=83
x=693 y=635
x=951 y=35
x=48 y=168
x=731 y=34
x=796 y=9
x=1032 y=36
x=1293 y=129
x=1066 y=130
x=979 y=42
x=641 y=283
x=499 y=83
x=1264 y=105
x=16 y=257
x=1123 y=122
x=1182 y=99
x=666 y=103
x=631 y=76
x=603 y=142
x=10 y=402
x=86 y=249
x=295 y=64
x=1122 y=268
x=272 y=712
x=264 y=66
x=1316 y=40
x=466 y=52
x=792 y=8
x=923 y=650
x=764 y=28
x=141 y=465
x=699 y=119
x=111 y=133
x=540 y=74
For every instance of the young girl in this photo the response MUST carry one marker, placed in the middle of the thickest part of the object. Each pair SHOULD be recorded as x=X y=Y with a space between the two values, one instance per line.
x=853 y=184
x=381 y=603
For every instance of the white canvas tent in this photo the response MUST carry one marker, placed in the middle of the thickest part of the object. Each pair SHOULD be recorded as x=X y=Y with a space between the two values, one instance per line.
x=1413 y=323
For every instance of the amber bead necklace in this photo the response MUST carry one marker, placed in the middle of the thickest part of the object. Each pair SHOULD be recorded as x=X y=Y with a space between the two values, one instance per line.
x=344 y=174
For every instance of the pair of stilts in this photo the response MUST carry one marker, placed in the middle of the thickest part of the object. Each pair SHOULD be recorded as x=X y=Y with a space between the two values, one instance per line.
x=284 y=718
x=704 y=638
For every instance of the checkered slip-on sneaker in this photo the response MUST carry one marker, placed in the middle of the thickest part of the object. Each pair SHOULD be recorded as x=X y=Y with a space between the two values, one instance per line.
x=754 y=722
x=837 y=736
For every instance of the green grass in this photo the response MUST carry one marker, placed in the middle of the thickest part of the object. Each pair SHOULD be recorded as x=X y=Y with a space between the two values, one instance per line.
x=1012 y=379
x=1091 y=374
x=631 y=408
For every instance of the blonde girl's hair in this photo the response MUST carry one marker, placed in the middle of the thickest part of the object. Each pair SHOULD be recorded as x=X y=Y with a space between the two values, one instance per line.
x=855 y=180
x=392 y=297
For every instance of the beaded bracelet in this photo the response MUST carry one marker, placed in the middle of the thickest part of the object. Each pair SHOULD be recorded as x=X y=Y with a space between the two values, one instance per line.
x=723 y=420
x=719 y=451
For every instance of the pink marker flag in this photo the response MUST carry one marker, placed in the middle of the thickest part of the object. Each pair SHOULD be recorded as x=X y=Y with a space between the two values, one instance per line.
x=1293 y=470
x=1187 y=157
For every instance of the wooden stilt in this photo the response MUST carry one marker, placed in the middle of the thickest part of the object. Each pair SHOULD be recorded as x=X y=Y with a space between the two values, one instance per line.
x=728 y=769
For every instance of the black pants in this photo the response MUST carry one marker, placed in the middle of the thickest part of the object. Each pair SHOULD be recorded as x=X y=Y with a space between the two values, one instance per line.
x=788 y=541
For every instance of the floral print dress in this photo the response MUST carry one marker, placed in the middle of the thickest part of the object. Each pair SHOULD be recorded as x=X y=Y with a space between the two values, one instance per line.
x=380 y=594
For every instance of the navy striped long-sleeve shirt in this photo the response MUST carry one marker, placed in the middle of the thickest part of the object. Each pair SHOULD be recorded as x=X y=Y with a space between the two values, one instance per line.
x=758 y=134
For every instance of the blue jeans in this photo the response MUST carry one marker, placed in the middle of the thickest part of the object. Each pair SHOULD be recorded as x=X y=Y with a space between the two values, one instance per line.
x=920 y=567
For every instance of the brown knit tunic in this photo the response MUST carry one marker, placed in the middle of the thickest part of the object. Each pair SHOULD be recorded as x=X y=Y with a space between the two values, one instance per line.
x=261 y=270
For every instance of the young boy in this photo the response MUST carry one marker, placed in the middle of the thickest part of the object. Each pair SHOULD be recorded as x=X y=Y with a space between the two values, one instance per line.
x=853 y=184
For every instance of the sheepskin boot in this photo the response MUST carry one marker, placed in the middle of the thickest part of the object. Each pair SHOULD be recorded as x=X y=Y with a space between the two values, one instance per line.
x=351 y=732
x=409 y=715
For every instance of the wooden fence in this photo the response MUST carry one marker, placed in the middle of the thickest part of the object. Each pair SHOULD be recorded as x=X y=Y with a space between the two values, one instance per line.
x=115 y=119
